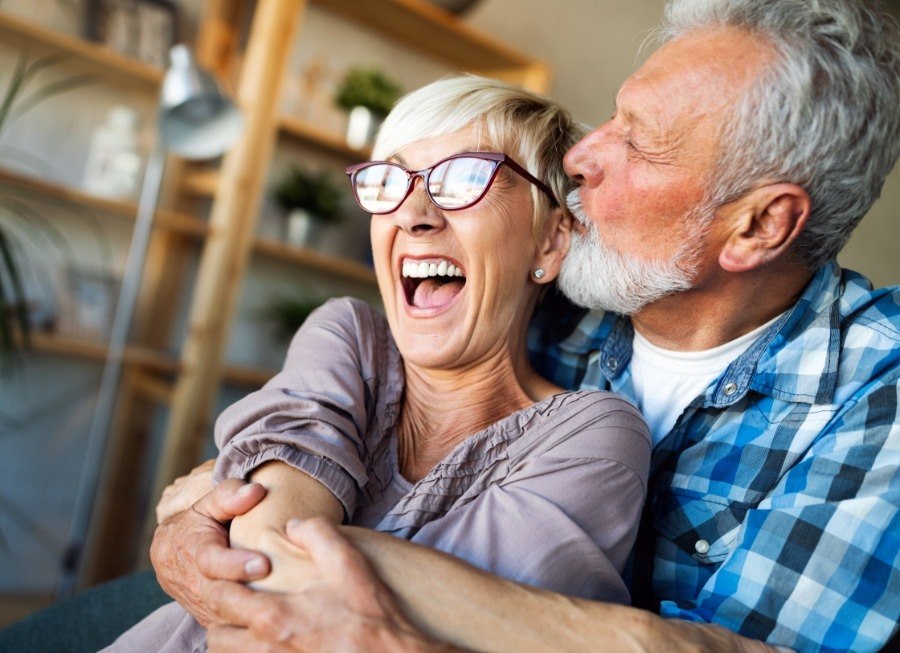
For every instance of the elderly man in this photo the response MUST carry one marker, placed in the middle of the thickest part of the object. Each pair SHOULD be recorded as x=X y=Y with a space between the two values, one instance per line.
x=712 y=207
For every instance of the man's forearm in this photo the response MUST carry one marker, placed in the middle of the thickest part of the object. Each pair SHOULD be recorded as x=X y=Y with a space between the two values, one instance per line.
x=453 y=601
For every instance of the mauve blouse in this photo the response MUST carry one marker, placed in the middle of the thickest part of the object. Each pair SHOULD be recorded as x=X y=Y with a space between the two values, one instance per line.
x=550 y=495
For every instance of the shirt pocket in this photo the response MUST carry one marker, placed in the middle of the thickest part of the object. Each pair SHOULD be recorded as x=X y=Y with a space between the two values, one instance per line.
x=704 y=526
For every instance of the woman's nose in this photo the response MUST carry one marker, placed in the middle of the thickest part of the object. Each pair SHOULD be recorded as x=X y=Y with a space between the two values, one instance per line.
x=583 y=161
x=418 y=215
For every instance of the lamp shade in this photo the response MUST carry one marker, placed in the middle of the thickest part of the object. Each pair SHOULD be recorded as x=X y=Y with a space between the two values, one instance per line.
x=196 y=120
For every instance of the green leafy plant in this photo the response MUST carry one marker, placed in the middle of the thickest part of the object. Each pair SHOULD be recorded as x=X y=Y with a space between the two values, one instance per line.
x=19 y=96
x=288 y=313
x=315 y=191
x=367 y=87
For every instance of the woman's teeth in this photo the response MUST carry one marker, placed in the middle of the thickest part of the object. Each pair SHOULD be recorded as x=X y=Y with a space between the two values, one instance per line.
x=424 y=269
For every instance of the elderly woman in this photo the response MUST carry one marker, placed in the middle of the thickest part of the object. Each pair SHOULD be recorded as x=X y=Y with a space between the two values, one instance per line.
x=429 y=423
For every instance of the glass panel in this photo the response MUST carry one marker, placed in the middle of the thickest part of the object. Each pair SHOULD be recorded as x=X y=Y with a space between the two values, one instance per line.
x=459 y=182
x=381 y=187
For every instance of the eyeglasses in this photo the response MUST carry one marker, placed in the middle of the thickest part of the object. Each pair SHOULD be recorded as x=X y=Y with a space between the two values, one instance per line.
x=454 y=183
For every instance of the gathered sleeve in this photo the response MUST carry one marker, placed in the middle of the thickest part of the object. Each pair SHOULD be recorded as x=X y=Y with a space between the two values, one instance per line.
x=314 y=414
x=565 y=516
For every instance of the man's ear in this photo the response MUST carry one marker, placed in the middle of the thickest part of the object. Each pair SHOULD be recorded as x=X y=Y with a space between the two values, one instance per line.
x=765 y=223
x=554 y=244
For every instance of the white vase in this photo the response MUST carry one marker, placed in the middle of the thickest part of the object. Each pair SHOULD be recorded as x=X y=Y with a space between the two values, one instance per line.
x=303 y=229
x=362 y=125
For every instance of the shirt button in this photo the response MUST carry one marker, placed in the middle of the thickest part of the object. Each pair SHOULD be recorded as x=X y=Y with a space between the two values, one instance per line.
x=612 y=363
x=730 y=389
x=702 y=547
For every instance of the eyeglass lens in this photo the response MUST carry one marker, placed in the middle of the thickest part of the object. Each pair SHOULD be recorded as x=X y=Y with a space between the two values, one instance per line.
x=452 y=184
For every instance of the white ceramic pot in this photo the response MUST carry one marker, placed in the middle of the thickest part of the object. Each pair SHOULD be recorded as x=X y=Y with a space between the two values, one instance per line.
x=362 y=125
x=303 y=229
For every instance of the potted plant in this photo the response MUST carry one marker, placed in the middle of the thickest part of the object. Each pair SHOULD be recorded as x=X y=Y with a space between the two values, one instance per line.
x=18 y=97
x=289 y=312
x=310 y=199
x=368 y=95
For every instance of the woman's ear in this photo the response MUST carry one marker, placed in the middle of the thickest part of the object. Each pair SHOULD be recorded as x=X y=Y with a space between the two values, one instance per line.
x=554 y=245
x=766 y=222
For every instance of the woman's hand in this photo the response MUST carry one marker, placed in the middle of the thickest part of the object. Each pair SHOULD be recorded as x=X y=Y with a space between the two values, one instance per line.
x=185 y=491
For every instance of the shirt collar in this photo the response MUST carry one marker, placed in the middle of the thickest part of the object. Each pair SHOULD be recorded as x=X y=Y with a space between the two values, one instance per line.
x=795 y=359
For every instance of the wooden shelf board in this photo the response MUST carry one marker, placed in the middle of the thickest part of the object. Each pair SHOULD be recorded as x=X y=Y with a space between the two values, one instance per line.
x=96 y=58
x=324 y=139
x=309 y=258
x=247 y=376
x=78 y=347
x=143 y=358
x=199 y=181
x=166 y=219
x=432 y=30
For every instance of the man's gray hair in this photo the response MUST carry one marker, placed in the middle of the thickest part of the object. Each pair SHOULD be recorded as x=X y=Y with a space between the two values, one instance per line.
x=825 y=115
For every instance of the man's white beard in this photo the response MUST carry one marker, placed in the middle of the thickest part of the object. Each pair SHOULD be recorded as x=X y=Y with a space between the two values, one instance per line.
x=596 y=276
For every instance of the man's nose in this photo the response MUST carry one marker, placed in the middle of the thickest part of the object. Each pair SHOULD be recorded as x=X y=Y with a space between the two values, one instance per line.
x=418 y=215
x=583 y=161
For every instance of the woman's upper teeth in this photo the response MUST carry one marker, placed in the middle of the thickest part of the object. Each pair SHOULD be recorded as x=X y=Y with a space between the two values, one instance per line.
x=423 y=269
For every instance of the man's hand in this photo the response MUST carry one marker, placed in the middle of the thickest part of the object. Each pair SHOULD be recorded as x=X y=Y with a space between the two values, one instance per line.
x=185 y=491
x=191 y=556
x=346 y=608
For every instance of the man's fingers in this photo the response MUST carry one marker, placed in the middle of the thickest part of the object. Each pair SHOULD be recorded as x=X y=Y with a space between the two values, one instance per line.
x=231 y=639
x=265 y=613
x=224 y=563
x=331 y=553
x=229 y=499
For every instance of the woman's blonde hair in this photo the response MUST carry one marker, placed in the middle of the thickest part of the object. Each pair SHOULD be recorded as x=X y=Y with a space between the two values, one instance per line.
x=532 y=129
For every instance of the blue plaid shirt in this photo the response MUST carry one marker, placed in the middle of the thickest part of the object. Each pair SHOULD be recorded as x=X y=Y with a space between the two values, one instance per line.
x=774 y=505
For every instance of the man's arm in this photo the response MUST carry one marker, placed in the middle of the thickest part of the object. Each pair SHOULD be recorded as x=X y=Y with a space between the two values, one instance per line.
x=348 y=609
x=191 y=556
x=444 y=598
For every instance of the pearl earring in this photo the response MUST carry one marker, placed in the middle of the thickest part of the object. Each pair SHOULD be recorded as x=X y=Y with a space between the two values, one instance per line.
x=539 y=273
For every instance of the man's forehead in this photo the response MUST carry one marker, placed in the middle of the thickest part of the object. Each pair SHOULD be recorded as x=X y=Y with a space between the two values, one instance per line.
x=694 y=74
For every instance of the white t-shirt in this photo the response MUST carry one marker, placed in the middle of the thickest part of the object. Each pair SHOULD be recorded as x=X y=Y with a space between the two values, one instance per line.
x=666 y=381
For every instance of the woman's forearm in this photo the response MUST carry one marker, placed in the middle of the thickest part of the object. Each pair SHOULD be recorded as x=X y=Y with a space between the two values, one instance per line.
x=290 y=494
x=455 y=602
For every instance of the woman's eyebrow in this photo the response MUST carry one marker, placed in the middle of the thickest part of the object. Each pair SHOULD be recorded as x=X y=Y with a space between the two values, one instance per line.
x=399 y=159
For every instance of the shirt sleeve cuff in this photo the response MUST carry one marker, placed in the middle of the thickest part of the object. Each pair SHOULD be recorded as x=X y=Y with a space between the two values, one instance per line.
x=233 y=463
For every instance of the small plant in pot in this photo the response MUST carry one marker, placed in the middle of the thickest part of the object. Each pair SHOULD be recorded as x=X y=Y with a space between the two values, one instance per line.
x=310 y=200
x=368 y=95
x=288 y=313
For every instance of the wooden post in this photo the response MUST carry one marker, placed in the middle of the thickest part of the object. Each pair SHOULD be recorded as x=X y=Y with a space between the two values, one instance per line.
x=227 y=250
x=217 y=39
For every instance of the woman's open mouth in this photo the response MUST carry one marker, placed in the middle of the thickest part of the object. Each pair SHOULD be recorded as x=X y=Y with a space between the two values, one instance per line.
x=431 y=283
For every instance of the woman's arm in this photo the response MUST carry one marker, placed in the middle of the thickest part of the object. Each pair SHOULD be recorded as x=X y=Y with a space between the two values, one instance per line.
x=290 y=494
x=314 y=414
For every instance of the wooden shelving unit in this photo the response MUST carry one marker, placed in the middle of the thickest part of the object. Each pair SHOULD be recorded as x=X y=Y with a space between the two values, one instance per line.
x=179 y=222
x=187 y=224
x=434 y=32
x=311 y=134
x=148 y=360
x=187 y=384
x=338 y=267
x=90 y=57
